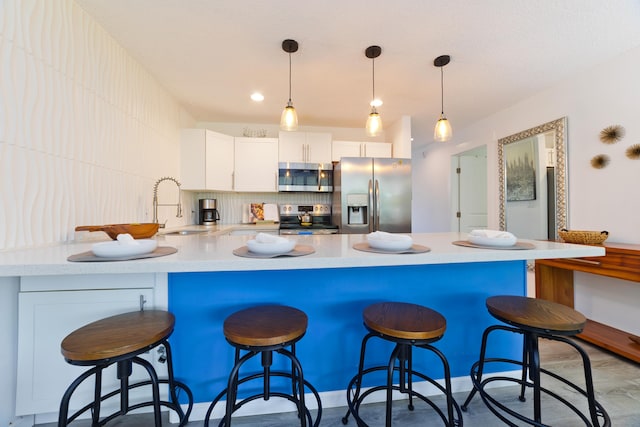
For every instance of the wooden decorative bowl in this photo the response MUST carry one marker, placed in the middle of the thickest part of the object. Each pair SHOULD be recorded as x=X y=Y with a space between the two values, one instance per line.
x=583 y=237
x=137 y=230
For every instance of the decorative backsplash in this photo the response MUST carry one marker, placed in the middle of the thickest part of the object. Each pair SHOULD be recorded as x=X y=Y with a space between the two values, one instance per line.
x=229 y=205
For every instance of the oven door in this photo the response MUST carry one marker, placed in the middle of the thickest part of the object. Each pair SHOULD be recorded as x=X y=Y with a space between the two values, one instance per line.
x=311 y=177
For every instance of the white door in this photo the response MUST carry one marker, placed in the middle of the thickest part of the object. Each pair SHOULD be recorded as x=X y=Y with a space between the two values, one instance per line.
x=469 y=196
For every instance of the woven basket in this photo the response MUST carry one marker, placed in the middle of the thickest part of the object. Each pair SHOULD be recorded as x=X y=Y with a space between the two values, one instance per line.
x=583 y=237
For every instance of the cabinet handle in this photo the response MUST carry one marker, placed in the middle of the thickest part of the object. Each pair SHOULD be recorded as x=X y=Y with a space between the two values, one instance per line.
x=308 y=153
x=233 y=180
x=142 y=302
x=276 y=180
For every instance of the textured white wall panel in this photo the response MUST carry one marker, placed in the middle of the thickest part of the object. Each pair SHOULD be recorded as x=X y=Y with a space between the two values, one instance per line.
x=85 y=131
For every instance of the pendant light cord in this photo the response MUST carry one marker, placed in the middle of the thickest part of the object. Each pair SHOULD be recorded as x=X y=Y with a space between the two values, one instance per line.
x=373 y=78
x=441 y=91
x=289 y=77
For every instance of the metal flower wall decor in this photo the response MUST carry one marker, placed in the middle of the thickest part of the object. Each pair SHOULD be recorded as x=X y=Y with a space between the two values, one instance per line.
x=600 y=161
x=633 y=152
x=610 y=135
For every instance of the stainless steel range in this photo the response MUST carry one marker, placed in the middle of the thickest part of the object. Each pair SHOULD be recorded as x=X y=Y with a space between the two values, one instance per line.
x=306 y=219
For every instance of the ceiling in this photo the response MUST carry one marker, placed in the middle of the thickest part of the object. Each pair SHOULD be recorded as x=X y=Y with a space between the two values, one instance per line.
x=212 y=54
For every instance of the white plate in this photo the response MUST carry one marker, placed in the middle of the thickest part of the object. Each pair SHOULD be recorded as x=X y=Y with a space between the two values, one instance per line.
x=390 y=245
x=116 y=249
x=271 y=248
x=492 y=241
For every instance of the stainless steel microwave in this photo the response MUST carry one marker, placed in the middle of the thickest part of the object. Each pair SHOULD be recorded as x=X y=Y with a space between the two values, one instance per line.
x=315 y=177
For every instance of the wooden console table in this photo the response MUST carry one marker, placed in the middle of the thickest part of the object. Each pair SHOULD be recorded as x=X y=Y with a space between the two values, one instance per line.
x=554 y=282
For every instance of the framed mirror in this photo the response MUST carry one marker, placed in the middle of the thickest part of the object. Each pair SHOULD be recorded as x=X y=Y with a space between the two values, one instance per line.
x=532 y=178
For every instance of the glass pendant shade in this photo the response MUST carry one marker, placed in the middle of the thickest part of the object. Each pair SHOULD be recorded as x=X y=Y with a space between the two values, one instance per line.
x=374 y=123
x=289 y=118
x=442 y=132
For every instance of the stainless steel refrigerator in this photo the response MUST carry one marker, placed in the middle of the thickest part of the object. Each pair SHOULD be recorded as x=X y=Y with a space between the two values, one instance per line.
x=372 y=194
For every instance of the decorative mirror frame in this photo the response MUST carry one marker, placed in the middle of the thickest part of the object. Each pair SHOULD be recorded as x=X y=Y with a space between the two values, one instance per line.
x=559 y=126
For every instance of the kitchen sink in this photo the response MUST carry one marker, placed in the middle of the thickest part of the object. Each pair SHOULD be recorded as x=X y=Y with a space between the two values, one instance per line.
x=184 y=232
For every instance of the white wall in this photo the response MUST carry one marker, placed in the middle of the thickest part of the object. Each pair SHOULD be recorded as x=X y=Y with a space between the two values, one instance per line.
x=84 y=129
x=605 y=199
x=598 y=199
x=84 y=133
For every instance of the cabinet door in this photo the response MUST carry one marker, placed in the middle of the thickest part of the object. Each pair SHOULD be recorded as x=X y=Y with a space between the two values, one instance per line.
x=44 y=319
x=219 y=162
x=318 y=147
x=292 y=147
x=377 y=149
x=206 y=160
x=345 y=149
x=256 y=164
x=192 y=159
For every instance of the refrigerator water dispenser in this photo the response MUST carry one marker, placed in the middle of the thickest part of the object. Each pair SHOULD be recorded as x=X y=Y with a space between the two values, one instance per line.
x=357 y=209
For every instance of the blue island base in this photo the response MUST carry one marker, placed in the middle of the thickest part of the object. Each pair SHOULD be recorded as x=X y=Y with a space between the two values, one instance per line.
x=333 y=299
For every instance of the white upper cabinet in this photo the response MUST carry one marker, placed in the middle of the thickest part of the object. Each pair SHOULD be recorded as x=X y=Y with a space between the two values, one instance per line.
x=206 y=160
x=304 y=147
x=360 y=149
x=256 y=164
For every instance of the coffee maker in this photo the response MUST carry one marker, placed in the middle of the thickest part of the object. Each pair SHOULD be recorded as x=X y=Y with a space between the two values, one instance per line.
x=208 y=213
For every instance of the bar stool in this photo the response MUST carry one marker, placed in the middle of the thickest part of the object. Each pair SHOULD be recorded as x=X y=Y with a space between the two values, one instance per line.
x=408 y=326
x=260 y=331
x=120 y=340
x=534 y=318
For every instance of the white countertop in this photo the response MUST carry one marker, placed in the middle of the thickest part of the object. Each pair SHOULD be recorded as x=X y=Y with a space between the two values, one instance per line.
x=213 y=252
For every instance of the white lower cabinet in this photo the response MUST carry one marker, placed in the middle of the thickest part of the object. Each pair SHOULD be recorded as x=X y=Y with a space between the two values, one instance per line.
x=44 y=319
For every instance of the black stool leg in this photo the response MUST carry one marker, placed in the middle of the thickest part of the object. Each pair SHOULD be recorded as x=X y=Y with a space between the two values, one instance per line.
x=173 y=385
x=358 y=382
x=97 y=391
x=395 y=354
x=534 y=372
x=447 y=387
x=406 y=373
x=480 y=364
x=526 y=366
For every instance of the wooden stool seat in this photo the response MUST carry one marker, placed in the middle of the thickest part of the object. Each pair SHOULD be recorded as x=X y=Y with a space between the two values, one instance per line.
x=261 y=331
x=404 y=320
x=117 y=336
x=536 y=313
x=120 y=341
x=535 y=319
x=265 y=326
x=407 y=326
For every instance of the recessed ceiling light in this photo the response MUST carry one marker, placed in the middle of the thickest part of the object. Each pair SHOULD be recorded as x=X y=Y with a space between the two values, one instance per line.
x=257 y=96
x=376 y=102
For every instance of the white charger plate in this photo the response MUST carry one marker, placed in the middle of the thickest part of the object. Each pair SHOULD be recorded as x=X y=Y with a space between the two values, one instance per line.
x=492 y=241
x=271 y=248
x=115 y=249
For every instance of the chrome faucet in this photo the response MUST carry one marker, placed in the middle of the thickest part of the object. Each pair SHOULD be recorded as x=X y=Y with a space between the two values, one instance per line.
x=155 y=199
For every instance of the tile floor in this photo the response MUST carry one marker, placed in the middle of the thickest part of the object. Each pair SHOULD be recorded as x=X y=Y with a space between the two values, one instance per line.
x=617 y=384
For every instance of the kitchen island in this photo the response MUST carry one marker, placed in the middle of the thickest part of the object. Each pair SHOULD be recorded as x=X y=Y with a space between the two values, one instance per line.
x=204 y=282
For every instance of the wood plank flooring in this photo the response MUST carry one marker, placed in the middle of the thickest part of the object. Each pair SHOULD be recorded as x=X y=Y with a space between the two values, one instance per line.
x=617 y=384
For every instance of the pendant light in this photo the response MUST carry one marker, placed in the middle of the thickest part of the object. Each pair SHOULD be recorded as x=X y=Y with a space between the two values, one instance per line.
x=442 y=132
x=289 y=118
x=374 y=122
